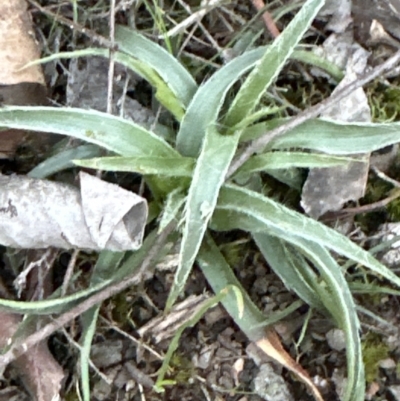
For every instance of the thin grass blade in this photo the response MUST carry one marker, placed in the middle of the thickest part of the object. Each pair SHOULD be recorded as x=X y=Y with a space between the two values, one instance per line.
x=104 y=269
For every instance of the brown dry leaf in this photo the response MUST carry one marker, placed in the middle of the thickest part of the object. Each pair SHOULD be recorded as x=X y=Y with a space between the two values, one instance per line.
x=40 y=372
x=41 y=213
x=18 y=86
x=271 y=345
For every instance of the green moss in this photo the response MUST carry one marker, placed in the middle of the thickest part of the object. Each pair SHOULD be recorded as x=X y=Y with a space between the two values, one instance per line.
x=71 y=396
x=377 y=190
x=236 y=251
x=384 y=102
x=304 y=94
x=374 y=351
x=181 y=369
x=121 y=308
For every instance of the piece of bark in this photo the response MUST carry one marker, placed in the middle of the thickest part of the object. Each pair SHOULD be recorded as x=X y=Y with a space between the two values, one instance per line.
x=164 y=327
x=18 y=85
x=40 y=372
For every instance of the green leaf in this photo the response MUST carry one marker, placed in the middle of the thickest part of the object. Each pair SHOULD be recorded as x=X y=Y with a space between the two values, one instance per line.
x=164 y=93
x=104 y=269
x=286 y=160
x=331 y=137
x=163 y=166
x=102 y=129
x=239 y=208
x=89 y=323
x=293 y=177
x=289 y=266
x=51 y=305
x=309 y=57
x=250 y=319
x=174 y=85
x=220 y=275
x=271 y=64
x=172 y=209
x=209 y=175
x=63 y=160
x=345 y=313
x=203 y=110
x=333 y=293
x=205 y=107
x=167 y=67
x=60 y=304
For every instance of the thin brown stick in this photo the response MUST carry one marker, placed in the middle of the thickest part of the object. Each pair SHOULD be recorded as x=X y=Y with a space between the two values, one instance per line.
x=111 y=66
x=20 y=347
x=361 y=209
x=267 y=17
x=69 y=272
x=312 y=112
x=372 y=206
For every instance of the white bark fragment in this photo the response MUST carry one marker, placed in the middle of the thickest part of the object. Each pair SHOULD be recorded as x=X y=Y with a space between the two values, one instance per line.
x=40 y=213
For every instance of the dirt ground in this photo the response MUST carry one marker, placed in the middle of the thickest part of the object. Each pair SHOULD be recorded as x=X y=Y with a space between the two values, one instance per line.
x=214 y=360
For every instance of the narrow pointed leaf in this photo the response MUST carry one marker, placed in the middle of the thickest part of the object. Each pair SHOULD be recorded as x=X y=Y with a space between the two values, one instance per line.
x=345 y=315
x=206 y=104
x=251 y=321
x=168 y=67
x=331 y=137
x=220 y=275
x=163 y=92
x=209 y=175
x=172 y=209
x=163 y=166
x=102 y=129
x=288 y=268
x=104 y=269
x=286 y=160
x=271 y=63
x=248 y=210
x=61 y=304
x=63 y=160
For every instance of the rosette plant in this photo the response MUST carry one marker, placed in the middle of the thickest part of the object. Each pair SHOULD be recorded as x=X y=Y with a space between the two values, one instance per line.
x=195 y=176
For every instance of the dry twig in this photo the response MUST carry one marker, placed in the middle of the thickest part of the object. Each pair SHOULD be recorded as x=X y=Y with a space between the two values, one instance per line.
x=267 y=17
